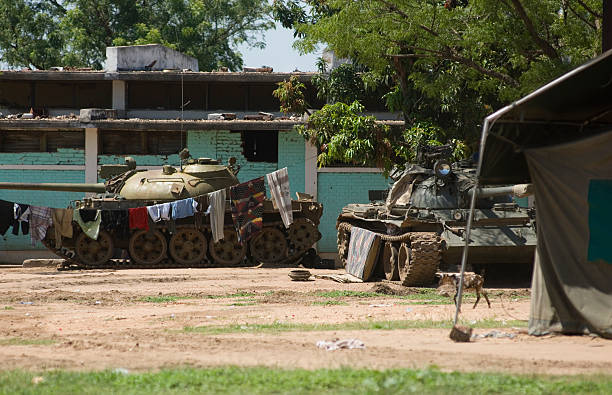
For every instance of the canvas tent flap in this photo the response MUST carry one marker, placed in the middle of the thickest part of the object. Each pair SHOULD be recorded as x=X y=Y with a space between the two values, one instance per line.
x=572 y=283
x=574 y=106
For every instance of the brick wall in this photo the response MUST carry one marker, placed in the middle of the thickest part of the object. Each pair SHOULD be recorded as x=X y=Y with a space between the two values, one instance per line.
x=335 y=190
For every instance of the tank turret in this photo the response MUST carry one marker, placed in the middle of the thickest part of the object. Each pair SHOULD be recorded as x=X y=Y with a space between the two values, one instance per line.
x=423 y=218
x=178 y=243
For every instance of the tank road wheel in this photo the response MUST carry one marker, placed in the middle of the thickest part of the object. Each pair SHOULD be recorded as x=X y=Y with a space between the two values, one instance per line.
x=303 y=233
x=418 y=261
x=390 y=262
x=188 y=246
x=229 y=251
x=268 y=246
x=148 y=247
x=94 y=252
x=344 y=238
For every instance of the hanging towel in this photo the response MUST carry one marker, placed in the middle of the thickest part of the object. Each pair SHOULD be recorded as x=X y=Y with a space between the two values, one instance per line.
x=62 y=224
x=278 y=182
x=139 y=218
x=159 y=212
x=20 y=218
x=247 y=207
x=6 y=216
x=117 y=221
x=40 y=221
x=91 y=228
x=183 y=208
x=217 y=213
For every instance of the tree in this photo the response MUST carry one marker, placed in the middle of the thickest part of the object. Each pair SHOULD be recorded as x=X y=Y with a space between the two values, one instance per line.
x=41 y=33
x=452 y=61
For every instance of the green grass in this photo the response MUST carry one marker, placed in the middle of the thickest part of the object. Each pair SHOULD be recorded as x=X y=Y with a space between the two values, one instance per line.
x=9 y=308
x=243 y=304
x=236 y=380
x=330 y=303
x=235 y=295
x=426 y=295
x=163 y=298
x=18 y=341
x=355 y=325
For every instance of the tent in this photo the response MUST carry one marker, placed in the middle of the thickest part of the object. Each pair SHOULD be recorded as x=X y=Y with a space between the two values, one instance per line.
x=560 y=138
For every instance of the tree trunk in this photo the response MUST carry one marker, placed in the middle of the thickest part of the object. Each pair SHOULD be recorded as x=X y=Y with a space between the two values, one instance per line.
x=606 y=30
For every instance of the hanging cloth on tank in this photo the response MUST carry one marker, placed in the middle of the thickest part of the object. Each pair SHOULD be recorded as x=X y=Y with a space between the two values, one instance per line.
x=62 y=224
x=278 y=182
x=21 y=217
x=184 y=208
x=89 y=220
x=247 y=207
x=139 y=218
x=216 y=209
x=117 y=222
x=159 y=212
x=40 y=221
x=6 y=216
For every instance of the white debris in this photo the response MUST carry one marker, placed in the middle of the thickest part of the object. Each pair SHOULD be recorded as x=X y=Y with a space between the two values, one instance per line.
x=331 y=345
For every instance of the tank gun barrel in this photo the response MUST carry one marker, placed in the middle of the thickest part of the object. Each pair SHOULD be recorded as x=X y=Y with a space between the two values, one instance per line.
x=68 y=187
x=518 y=190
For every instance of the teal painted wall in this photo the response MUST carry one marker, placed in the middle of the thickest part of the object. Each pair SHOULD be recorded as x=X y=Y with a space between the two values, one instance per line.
x=38 y=198
x=335 y=190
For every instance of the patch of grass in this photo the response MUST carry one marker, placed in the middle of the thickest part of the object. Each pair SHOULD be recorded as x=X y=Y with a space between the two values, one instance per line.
x=18 y=341
x=330 y=303
x=9 y=308
x=235 y=295
x=354 y=325
x=260 y=380
x=429 y=295
x=163 y=298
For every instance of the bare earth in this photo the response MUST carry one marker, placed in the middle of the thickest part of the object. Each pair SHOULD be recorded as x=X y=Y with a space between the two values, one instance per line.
x=98 y=320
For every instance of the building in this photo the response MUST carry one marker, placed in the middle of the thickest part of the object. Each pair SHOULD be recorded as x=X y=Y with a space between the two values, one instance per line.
x=162 y=106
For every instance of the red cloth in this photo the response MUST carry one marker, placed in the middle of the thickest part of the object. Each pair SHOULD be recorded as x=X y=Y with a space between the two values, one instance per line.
x=139 y=218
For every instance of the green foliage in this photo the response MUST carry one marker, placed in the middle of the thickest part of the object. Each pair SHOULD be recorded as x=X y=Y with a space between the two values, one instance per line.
x=342 y=84
x=452 y=62
x=344 y=136
x=424 y=133
x=76 y=32
x=261 y=380
x=17 y=341
x=291 y=96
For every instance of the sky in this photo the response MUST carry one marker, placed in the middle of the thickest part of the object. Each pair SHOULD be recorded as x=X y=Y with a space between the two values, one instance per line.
x=278 y=54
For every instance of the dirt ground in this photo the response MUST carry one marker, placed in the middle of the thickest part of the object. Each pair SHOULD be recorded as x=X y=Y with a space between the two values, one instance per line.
x=92 y=320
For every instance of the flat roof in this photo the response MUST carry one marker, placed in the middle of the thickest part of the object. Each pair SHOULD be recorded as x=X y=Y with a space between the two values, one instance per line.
x=172 y=75
x=152 y=124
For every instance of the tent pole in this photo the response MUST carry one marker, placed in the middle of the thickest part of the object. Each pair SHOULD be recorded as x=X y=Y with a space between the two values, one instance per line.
x=468 y=228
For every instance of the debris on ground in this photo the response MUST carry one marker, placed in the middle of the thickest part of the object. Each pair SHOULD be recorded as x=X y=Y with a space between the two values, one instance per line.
x=340 y=278
x=331 y=345
x=461 y=334
x=300 y=275
x=494 y=334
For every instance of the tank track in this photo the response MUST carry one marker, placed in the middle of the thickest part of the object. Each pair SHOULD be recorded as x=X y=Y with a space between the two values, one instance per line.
x=425 y=253
x=299 y=239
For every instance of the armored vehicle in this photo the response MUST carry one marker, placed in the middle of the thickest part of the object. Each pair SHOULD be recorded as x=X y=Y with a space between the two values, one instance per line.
x=185 y=242
x=422 y=222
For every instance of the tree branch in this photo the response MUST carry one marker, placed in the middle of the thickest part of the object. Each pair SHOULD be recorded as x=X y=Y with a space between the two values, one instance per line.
x=581 y=17
x=589 y=10
x=546 y=47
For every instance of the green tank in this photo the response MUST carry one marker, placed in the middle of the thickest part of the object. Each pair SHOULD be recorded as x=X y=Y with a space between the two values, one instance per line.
x=184 y=242
x=423 y=219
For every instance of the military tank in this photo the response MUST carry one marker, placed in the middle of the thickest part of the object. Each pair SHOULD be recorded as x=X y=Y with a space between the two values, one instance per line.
x=185 y=242
x=423 y=219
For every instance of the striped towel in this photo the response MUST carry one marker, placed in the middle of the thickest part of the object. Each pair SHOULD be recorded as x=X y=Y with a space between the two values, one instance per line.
x=40 y=221
x=278 y=182
x=359 y=250
x=247 y=207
